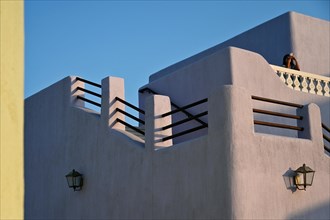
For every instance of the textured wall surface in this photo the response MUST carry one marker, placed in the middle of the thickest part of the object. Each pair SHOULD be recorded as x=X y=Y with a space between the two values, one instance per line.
x=259 y=163
x=11 y=109
x=224 y=174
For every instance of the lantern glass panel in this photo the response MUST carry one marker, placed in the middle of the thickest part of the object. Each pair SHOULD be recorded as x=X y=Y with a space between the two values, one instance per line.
x=309 y=178
x=70 y=180
x=77 y=181
x=299 y=179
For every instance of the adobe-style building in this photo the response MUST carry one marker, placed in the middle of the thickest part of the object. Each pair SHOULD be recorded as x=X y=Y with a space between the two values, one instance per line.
x=220 y=135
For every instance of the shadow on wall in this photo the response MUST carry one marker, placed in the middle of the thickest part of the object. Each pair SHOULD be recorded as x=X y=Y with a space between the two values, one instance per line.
x=321 y=211
x=288 y=178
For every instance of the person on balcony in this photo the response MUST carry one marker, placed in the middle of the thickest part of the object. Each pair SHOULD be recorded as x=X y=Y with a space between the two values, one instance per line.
x=289 y=61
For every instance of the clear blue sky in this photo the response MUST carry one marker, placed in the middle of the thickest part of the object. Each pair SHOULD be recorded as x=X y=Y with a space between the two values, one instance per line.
x=133 y=39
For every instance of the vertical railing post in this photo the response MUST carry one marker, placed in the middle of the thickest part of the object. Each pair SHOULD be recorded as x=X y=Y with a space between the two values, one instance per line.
x=311 y=123
x=142 y=97
x=112 y=87
x=155 y=106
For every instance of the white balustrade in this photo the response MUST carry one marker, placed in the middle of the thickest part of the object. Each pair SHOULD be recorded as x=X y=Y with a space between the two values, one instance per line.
x=302 y=81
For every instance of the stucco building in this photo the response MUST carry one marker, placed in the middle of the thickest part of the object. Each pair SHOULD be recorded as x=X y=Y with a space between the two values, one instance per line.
x=219 y=135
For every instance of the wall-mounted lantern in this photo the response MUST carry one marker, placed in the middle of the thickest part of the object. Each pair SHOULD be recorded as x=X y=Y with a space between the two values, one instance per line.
x=304 y=177
x=75 y=180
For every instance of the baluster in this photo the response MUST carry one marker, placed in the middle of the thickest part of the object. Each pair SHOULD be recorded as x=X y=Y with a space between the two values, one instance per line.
x=311 y=86
x=281 y=75
x=326 y=88
x=322 y=83
x=296 y=83
x=308 y=81
x=289 y=81
x=318 y=87
x=303 y=84
x=285 y=76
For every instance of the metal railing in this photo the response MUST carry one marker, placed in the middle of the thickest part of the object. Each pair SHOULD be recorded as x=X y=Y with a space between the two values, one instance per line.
x=89 y=92
x=190 y=118
x=278 y=114
x=189 y=115
x=326 y=138
x=130 y=116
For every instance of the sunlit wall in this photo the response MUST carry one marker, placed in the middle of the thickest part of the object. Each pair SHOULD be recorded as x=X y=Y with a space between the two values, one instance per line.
x=11 y=109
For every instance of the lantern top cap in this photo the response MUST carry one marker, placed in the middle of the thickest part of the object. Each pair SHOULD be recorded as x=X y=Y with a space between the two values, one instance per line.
x=304 y=169
x=73 y=173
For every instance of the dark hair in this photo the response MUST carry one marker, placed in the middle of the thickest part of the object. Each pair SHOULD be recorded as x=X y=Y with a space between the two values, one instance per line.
x=285 y=58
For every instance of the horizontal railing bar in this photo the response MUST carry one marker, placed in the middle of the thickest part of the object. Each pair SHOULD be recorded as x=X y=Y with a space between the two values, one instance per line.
x=189 y=115
x=130 y=105
x=90 y=92
x=277 y=114
x=270 y=124
x=327 y=149
x=130 y=126
x=130 y=116
x=184 y=107
x=184 y=132
x=89 y=82
x=175 y=106
x=185 y=120
x=326 y=127
x=277 y=102
x=326 y=138
x=89 y=101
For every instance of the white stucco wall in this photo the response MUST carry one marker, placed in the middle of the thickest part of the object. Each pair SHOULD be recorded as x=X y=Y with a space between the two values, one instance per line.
x=60 y=137
x=224 y=174
x=259 y=162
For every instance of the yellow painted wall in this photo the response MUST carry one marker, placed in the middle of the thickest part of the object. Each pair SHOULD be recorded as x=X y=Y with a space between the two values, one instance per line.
x=11 y=109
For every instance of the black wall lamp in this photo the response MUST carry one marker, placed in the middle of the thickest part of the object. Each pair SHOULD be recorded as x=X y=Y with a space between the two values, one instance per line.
x=75 y=180
x=304 y=176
